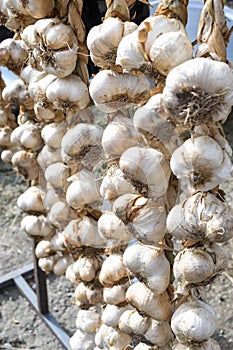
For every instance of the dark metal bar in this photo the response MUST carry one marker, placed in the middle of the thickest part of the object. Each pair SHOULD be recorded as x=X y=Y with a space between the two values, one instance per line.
x=8 y=279
x=41 y=286
x=48 y=319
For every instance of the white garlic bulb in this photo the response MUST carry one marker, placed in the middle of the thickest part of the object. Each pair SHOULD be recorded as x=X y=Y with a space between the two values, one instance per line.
x=148 y=265
x=136 y=210
x=13 y=54
x=39 y=9
x=16 y=92
x=32 y=200
x=202 y=162
x=27 y=136
x=86 y=267
x=48 y=156
x=53 y=133
x=47 y=264
x=113 y=271
x=112 y=313
x=56 y=175
x=115 y=295
x=193 y=321
x=6 y=155
x=52 y=196
x=44 y=249
x=83 y=190
x=80 y=340
x=80 y=141
x=88 y=294
x=62 y=264
x=115 y=183
x=37 y=226
x=111 y=91
x=70 y=94
x=191 y=84
x=60 y=214
x=88 y=320
x=150 y=120
x=103 y=40
x=158 y=307
x=26 y=164
x=131 y=322
x=158 y=333
x=112 y=228
x=83 y=232
x=119 y=135
x=111 y=338
x=146 y=166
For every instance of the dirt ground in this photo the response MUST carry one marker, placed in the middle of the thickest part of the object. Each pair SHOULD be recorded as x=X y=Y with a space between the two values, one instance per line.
x=20 y=326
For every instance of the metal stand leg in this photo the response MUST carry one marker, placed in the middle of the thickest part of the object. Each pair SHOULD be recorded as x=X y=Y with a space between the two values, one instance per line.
x=38 y=300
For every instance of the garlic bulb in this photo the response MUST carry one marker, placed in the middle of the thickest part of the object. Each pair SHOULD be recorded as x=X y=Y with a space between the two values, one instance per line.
x=32 y=200
x=6 y=155
x=70 y=94
x=111 y=338
x=27 y=136
x=112 y=228
x=62 y=264
x=131 y=322
x=159 y=333
x=113 y=271
x=88 y=320
x=48 y=156
x=119 y=135
x=202 y=162
x=83 y=190
x=111 y=91
x=5 y=134
x=192 y=266
x=52 y=196
x=47 y=264
x=157 y=307
x=191 y=84
x=150 y=120
x=115 y=295
x=210 y=344
x=37 y=226
x=60 y=214
x=193 y=321
x=202 y=216
x=16 y=93
x=136 y=210
x=103 y=40
x=112 y=313
x=88 y=294
x=56 y=175
x=80 y=340
x=146 y=166
x=148 y=265
x=81 y=141
x=53 y=133
x=44 y=249
x=115 y=183
x=13 y=54
x=38 y=9
x=145 y=51
x=86 y=267
x=83 y=232
x=25 y=164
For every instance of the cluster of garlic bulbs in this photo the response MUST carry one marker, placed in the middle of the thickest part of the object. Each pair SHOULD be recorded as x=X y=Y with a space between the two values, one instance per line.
x=104 y=202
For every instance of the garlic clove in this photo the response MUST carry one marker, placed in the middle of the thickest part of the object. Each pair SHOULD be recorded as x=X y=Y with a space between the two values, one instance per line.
x=88 y=320
x=115 y=295
x=113 y=271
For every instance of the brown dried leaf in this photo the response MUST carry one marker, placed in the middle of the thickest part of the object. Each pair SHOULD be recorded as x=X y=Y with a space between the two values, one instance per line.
x=173 y=9
x=117 y=8
x=63 y=4
x=143 y=32
x=74 y=19
x=83 y=53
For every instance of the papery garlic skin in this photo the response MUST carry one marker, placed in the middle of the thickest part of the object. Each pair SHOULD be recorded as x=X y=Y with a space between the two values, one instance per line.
x=48 y=156
x=84 y=190
x=134 y=210
x=202 y=162
x=112 y=313
x=88 y=320
x=80 y=340
x=26 y=164
x=88 y=294
x=111 y=338
x=120 y=135
x=6 y=155
x=56 y=175
x=37 y=226
x=193 y=321
x=113 y=271
x=32 y=200
x=103 y=40
x=157 y=307
x=190 y=84
x=111 y=91
x=131 y=322
x=13 y=54
x=86 y=267
x=149 y=265
x=146 y=166
x=115 y=295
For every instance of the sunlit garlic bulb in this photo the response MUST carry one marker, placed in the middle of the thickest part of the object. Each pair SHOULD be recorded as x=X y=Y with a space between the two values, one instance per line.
x=87 y=294
x=113 y=271
x=36 y=226
x=56 y=175
x=13 y=54
x=25 y=164
x=144 y=218
x=111 y=91
x=191 y=84
x=148 y=265
x=210 y=344
x=111 y=338
x=201 y=162
x=32 y=200
x=115 y=295
x=80 y=340
x=88 y=320
x=112 y=313
x=193 y=321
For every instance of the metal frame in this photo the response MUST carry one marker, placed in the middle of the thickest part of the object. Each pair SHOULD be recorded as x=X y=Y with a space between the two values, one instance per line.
x=38 y=300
